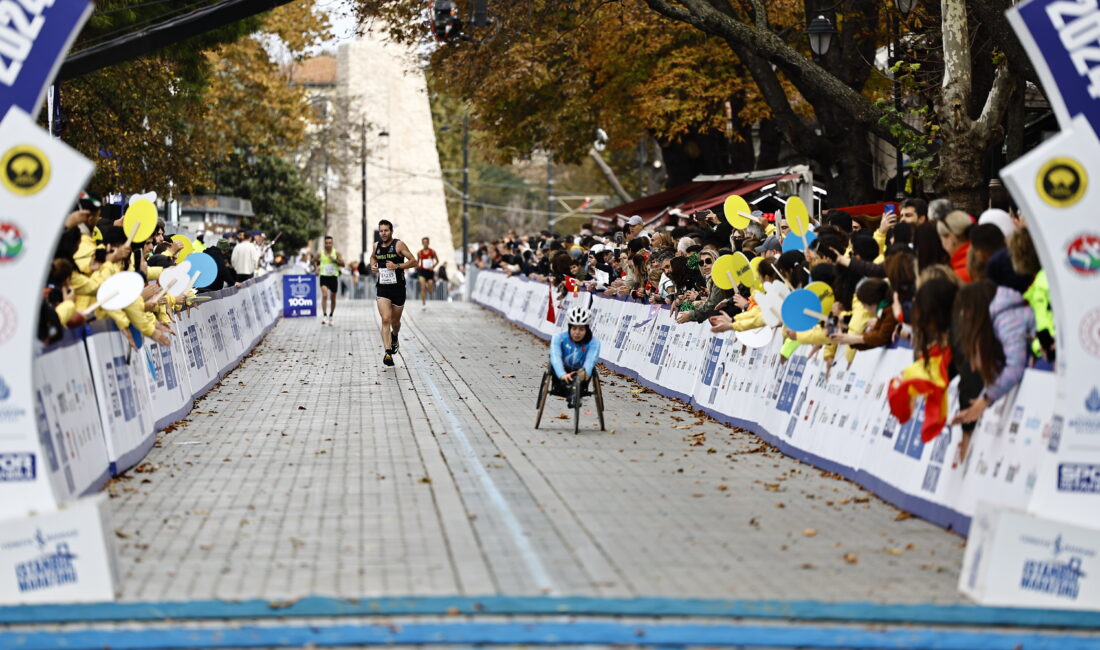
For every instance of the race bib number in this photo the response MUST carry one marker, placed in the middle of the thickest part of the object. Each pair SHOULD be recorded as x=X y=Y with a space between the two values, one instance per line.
x=387 y=276
x=427 y=263
x=328 y=269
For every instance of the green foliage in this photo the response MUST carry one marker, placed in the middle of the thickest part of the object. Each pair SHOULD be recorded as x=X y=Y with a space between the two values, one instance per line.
x=282 y=200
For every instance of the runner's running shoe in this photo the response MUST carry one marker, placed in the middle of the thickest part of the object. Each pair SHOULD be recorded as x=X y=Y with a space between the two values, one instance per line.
x=388 y=359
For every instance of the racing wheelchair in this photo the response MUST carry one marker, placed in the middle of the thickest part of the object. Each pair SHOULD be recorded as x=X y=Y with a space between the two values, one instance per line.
x=577 y=389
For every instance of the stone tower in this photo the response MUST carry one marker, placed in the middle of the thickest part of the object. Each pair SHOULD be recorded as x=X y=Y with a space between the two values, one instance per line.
x=385 y=88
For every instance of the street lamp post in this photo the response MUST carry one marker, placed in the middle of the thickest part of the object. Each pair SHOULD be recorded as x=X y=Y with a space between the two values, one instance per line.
x=466 y=192
x=363 y=188
x=821 y=32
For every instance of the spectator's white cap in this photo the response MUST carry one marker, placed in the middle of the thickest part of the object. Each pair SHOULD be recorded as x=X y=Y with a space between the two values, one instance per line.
x=634 y=221
x=998 y=218
x=597 y=249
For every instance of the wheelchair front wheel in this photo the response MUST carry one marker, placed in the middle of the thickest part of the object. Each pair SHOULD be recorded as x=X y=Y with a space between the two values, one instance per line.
x=544 y=391
x=598 y=390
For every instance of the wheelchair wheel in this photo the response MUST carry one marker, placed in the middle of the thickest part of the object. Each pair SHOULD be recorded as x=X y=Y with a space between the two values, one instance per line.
x=544 y=391
x=598 y=389
x=578 y=385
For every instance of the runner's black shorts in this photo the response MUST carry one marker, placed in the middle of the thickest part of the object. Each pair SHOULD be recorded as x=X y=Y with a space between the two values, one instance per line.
x=329 y=281
x=395 y=293
x=426 y=274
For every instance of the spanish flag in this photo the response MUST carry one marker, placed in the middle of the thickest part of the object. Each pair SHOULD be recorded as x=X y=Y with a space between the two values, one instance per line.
x=926 y=377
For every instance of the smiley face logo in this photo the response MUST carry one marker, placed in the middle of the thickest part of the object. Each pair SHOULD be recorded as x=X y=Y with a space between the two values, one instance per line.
x=24 y=170
x=1061 y=182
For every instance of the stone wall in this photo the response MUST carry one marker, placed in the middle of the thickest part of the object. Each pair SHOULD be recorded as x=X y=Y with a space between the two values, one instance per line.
x=389 y=91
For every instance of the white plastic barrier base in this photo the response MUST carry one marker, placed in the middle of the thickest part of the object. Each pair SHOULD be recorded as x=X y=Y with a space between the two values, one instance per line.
x=1014 y=559
x=61 y=556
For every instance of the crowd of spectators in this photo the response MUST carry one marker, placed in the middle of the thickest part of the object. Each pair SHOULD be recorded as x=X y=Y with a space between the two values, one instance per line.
x=962 y=290
x=94 y=247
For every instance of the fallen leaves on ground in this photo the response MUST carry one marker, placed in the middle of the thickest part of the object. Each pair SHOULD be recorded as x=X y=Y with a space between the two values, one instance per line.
x=851 y=558
x=809 y=532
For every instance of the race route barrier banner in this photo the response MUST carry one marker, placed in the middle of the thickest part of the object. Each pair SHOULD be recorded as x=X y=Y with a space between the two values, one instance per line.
x=36 y=35
x=59 y=556
x=1061 y=40
x=39 y=180
x=97 y=407
x=840 y=422
x=299 y=296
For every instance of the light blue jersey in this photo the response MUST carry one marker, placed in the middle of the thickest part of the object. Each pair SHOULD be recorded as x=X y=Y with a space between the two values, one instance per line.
x=567 y=356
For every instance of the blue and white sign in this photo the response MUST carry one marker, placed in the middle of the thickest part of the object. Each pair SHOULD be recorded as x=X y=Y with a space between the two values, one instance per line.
x=1062 y=40
x=299 y=296
x=34 y=38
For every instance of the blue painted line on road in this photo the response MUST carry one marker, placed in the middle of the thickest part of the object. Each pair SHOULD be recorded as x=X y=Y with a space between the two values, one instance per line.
x=515 y=529
x=516 y=633
x=323 y=606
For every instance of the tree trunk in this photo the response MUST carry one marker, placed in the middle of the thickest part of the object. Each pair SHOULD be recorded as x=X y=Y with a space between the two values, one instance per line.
x=770 y=142
x=960 y=175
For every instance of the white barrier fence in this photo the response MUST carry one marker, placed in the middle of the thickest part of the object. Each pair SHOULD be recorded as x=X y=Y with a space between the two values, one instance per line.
x=98 y=407
x=839 y=422
x=101 y=403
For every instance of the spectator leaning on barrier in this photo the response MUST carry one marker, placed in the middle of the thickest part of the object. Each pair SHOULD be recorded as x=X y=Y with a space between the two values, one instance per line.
x=246 y=258
x=994 y=326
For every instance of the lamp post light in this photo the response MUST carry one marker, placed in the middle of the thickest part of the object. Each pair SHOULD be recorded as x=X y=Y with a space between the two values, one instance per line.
x=363 y=185
x=821 y=32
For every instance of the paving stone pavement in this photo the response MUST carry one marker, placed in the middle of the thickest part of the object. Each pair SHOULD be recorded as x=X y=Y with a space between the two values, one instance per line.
x=314 y=469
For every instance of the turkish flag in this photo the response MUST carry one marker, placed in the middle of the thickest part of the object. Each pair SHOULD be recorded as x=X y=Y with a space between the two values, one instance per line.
x=550 y=315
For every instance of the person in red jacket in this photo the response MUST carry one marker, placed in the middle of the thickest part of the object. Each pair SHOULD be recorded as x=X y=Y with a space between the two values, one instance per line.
x=954 y=231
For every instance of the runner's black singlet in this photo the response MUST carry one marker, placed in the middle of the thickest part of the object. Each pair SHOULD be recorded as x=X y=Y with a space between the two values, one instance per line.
x=389 y=253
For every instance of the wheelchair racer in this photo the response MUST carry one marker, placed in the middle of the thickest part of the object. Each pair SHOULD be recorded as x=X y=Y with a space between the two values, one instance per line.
x=573 y=353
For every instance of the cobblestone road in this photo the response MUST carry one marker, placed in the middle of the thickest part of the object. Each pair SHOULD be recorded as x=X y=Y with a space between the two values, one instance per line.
x=314 y=469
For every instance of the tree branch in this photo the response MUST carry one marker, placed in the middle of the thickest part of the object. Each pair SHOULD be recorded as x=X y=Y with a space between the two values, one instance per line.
x=995 y=105
x=810 y=78
x=798 y=133
x=956 y=60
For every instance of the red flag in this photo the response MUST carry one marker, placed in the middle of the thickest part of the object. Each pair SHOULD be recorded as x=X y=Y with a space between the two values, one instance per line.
x=927 y=378
x=571 y=285
x=550 y=315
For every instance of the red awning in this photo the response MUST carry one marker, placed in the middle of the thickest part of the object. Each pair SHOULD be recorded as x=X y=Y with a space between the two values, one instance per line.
x=689 y=197
x=868 y=210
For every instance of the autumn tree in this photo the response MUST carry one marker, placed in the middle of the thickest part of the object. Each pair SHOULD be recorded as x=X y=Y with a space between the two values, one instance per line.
x=163 y=122
x=550 y=73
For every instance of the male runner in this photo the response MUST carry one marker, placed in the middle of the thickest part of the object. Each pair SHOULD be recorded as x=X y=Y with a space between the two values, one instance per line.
x=389 y=262
x=329 y=269
x=425 y=270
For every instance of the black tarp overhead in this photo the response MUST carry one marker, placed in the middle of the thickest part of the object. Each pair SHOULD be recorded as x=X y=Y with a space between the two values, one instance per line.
x=162 y=34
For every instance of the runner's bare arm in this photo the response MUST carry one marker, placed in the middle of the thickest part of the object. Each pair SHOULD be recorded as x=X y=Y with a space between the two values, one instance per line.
x=404 y=250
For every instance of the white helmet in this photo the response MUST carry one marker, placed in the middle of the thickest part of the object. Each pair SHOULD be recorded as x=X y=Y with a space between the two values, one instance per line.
x=579 y=316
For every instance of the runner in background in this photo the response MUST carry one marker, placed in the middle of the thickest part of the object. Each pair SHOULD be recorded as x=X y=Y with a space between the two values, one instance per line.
x=389 y=260
x=425 y=270
x=328 y=267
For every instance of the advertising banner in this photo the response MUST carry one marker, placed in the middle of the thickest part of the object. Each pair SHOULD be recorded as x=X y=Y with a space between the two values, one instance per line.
x=1014 y=559
x=35 y=36
x=1058 y=186
x=59 y=556
x=39 y=180
x=1061 y=40
x=69 y=426
x=299 y=296
x=834 y=416
x=122 y=392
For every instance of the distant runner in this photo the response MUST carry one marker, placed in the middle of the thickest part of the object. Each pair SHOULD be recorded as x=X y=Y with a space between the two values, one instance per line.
x=425 y=270
x=329 y=270
x=389 y=262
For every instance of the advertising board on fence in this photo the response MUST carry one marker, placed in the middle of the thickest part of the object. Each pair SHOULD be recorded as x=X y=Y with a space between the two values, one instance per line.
x=836 y=418
x=299 y=296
